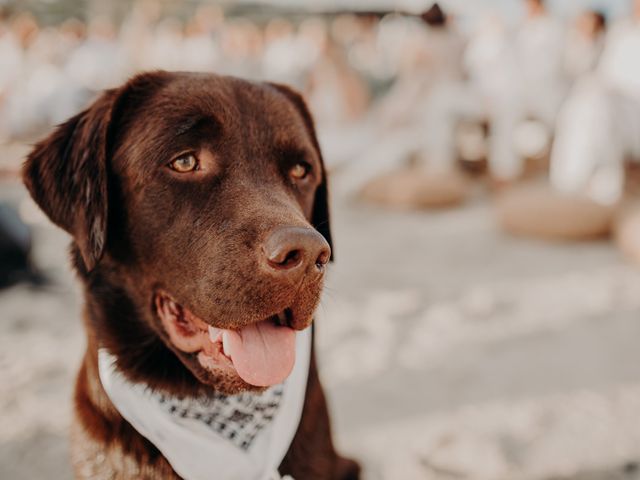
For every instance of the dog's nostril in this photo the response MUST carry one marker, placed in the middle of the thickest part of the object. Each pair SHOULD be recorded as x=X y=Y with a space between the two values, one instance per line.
x=287 y=260
x=323 y=259
x=291 y=258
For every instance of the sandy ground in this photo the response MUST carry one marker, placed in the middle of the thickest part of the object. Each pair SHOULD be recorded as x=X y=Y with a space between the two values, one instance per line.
x=448 y=350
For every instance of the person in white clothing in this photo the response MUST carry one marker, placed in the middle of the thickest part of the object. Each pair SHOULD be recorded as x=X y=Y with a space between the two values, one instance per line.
x=536 y=89
x=598 y=130
x=599 y=126
x=584 y=44
x=433 y=63
x=511 y=79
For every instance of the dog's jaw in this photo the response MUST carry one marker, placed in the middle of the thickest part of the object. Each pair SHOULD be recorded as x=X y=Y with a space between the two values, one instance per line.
x=259 y=353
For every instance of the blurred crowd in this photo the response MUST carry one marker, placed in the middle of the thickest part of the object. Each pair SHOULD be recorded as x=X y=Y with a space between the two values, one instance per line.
x=389 y=86
x=566 y=91
x=49 y=72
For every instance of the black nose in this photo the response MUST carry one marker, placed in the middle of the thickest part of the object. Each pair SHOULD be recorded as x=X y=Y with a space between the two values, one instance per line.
x=292 y=251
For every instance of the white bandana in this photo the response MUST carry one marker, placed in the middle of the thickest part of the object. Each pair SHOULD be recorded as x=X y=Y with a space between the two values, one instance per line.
x=243 y=437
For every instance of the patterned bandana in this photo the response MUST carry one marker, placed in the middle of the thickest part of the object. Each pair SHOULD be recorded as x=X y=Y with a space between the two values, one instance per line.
x=242 y=437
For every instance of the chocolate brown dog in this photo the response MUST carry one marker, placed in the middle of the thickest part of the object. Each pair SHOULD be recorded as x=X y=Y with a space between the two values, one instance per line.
x=198 y=210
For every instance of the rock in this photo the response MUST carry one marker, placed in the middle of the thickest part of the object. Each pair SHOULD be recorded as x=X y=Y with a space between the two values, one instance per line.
x=537 y=210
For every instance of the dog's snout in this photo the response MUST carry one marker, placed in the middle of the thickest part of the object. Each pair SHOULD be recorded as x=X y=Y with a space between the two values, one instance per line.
x=293 y=250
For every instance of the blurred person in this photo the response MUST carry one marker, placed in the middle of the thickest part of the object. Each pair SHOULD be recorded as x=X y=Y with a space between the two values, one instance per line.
x=339 y=85
x=201 y=44
x=10 y=65
x=25 y=29
x=345 y=29
x=242 y=44
x=429 y=59
x=388 y=169
x=199 y=50
x=282 y=55
x=67 y=65
x=597 y=131
x=487 y=62
x=166 y=50
x=511 y=79
x=362 y=47
x=584 y=45
x=335 y=92
x=599 y=125
x=99 y=62
x=398 y=36
x=445 y=45
x=137 y=33
x=535 y=91
x=17 y=64
x=71 y=34
x=313 y=33
x=36 y=90
x=45 y=86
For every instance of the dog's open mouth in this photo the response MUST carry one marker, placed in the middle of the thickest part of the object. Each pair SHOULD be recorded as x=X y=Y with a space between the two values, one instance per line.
x=261 y=353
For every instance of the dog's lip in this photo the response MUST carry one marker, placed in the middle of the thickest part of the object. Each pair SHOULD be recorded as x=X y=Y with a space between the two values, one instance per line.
x=262 y=353
x=283 y=317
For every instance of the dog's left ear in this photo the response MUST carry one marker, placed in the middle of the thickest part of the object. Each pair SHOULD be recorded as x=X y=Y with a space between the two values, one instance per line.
x=66 y=174
x=320 y=213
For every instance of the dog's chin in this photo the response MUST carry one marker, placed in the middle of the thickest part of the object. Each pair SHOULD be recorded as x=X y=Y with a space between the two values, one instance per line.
x=250 y=357
x=220 y=380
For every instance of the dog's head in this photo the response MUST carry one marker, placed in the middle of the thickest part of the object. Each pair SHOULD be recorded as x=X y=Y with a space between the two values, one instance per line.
x=198 y=209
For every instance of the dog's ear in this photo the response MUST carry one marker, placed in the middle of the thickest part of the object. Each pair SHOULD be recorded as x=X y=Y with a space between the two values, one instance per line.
x=66 y=174
x=320 y=213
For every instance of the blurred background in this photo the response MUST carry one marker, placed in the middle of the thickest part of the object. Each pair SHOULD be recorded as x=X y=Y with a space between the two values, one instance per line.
x=481 y=321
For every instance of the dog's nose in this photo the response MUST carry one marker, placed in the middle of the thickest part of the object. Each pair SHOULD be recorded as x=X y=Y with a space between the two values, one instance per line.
x=294 y=250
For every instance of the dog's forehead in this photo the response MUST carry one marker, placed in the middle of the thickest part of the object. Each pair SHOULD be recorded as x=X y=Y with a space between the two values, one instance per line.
x=246 y=122
x=257 y=111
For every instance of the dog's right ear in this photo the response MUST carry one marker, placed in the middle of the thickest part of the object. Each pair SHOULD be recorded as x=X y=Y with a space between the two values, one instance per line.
x=66 y=173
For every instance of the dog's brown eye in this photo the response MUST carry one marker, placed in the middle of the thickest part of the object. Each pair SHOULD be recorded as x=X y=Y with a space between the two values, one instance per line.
x=299 y=171
x=185 y=163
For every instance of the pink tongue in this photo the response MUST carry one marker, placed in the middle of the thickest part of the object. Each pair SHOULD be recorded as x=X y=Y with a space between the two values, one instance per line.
x=263 y=354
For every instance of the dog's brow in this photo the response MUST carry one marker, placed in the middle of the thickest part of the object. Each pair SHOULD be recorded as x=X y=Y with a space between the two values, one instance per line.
x=294 y=152
x=292 y=147
x=195 y=123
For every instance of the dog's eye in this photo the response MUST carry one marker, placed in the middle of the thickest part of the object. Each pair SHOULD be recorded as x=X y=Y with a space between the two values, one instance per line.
x=299 y=171
x=185 y=163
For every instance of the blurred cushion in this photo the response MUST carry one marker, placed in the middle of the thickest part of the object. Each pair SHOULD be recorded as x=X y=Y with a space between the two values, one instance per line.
x=627 y=232
x=416 y=188
x=537 y=210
